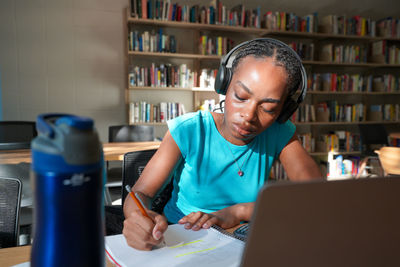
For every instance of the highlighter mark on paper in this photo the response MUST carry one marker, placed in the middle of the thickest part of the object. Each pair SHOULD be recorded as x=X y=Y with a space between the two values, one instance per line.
x=185 y=244
x=193 y=252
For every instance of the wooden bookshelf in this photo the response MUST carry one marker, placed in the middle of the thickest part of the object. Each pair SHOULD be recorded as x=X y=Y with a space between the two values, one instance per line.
x=309 y=92
x=194 y=89
x=197 y=26
x=314 y=65
x=335 y=153
x=174 y=55
x=261 y=32
x=315 y=123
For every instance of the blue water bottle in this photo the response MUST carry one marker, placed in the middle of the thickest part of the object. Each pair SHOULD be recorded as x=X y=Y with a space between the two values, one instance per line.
x=67 y=164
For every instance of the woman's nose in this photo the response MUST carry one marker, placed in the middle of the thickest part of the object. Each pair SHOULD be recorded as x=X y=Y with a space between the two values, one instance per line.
x=249 y=112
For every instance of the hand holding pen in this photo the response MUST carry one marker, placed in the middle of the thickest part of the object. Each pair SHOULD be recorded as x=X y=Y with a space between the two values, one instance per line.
x=138 y=229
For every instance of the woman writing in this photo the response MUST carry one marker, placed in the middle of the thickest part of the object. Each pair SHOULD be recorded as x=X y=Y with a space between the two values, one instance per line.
x=219 y=161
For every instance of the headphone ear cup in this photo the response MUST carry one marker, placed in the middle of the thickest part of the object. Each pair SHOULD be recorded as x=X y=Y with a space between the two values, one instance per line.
x=222 y=80
x=289 y=107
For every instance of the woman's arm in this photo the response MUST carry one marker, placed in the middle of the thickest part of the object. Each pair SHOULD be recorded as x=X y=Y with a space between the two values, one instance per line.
x=156 y=172
x=141 y=232
x=297 y=163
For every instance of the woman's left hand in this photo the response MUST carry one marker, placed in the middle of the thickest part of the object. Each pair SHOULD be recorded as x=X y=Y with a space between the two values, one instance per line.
x=225 y=218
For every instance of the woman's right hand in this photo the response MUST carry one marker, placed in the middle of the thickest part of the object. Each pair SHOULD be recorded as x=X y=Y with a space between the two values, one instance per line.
x=142 y=232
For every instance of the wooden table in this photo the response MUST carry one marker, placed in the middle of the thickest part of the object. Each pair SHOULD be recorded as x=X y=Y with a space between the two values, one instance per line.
x=112 y=151
x=17 y=255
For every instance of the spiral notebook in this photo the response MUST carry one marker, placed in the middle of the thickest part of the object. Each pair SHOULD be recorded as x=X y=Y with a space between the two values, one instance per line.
x=206 y=247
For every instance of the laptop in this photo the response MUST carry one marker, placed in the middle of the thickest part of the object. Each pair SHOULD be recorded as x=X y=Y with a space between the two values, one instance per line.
x=352 y=222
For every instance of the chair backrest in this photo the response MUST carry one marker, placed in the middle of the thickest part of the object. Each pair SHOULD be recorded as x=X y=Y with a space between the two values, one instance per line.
x=10 y=200
x=16 y=134
x=132 y=167
x=130 y=133
x=372 y=136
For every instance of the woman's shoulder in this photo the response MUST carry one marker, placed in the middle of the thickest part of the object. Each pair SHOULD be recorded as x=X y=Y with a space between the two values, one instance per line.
x=280 y=128
x=189 y=119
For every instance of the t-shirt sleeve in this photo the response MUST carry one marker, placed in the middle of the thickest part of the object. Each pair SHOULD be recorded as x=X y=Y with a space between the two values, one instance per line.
x=284 y=133
x=180 y=127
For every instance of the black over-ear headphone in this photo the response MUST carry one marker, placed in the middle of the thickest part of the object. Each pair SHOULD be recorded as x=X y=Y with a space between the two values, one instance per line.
x=224 y=77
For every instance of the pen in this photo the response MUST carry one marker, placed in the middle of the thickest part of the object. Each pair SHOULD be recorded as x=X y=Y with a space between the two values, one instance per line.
x=139 y=203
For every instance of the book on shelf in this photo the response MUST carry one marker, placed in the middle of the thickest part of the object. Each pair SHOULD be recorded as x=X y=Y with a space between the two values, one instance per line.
x=304 y=50
x=144 y=112
x=163 y=75
x=341 y=24
x=284 y=21
x=343 y=167
x=215 y=45
x=388 y=27
x=343 y=53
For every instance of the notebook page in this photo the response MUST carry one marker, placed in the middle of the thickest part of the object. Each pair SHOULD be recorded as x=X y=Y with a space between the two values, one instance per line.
x=206 y=247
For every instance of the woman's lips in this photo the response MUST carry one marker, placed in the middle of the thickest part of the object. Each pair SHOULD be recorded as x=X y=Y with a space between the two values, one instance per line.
x=243 y=131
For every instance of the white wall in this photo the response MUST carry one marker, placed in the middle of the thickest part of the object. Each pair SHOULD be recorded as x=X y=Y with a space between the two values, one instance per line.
x=63 y=56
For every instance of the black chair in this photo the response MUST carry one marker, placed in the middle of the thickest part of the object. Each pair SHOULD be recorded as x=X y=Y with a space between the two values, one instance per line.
x=10 y=200
x=133 y=165
x=130 y=133
x=373 y=136
x=124 y=133
x=16 y=134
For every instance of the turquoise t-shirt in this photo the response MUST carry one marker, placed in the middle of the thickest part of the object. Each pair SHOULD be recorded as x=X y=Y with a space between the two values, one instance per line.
x=206 y=179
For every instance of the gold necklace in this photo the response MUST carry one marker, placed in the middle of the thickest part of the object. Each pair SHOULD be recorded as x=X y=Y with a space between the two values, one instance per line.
x=240 y=172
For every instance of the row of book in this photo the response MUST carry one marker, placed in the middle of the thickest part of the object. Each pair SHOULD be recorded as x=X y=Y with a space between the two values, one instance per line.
x=339 y=141
x=147 y=112
x=304 y=50
x=386 y=112
x=331 y=111
x=207 y=78
x=353 y=82
x=344 y=167
x=344 y=53
x=163 y=75
x=215 y=45
x=283 y=21
x=340 y=82
x=388 y=27
x=216 y=13
x=151 y=42
x=342 y=112
x=341 y=24
x=384 y=52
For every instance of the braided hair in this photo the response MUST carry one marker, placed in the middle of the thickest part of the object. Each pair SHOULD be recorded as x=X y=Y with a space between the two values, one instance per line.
x=279 y=53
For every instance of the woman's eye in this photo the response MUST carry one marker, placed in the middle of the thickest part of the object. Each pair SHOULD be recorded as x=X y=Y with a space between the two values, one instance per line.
x=238 y=97
x=270 y=110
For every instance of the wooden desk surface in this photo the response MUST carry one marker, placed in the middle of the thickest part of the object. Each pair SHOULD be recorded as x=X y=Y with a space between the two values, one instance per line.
x=17 y=255
x=112 y=151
